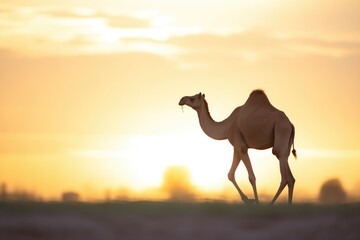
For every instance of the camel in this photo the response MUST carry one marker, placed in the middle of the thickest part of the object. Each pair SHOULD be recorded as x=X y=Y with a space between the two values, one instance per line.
x=257 y=124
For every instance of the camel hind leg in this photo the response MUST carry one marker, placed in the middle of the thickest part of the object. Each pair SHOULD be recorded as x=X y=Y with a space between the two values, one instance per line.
x=291 y=183
x=286 y=179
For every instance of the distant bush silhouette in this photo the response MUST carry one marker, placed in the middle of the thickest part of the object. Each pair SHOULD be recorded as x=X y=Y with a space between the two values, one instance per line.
x=332 y=192
x=21 y=195
x=177 y=184
x=70 y=197
x=123 y=194
x=3 y=192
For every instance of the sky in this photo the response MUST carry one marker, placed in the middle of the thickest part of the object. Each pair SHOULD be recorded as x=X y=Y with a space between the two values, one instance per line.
x=89 y=92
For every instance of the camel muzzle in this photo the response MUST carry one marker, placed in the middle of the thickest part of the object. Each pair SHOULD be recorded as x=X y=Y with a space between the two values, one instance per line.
x=182 y=101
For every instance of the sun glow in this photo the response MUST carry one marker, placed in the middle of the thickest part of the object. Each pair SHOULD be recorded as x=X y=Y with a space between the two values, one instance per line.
x=149 y=156
x=208 y=161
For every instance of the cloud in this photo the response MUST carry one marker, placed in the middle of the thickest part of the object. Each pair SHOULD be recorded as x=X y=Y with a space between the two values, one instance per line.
x=4 y=10
x=81 y=40
x=127 y=22
x=246 y=46
x=231 y=41
x=113 y=20
x=314 y=18
x=71 y=30
x=252 y=46
x=325 y=47
x=67 y=13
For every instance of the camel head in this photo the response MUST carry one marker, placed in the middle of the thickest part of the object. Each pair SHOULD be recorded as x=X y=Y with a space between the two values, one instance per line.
x=194 y=102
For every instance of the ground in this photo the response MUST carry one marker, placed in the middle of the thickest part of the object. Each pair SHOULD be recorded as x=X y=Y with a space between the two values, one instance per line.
x=169 y=220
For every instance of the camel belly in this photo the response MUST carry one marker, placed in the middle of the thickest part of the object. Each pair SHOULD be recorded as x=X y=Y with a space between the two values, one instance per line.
x=257 y=130
x=259 y=138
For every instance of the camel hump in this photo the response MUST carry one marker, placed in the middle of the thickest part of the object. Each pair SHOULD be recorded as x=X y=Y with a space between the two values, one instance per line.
x=258 y=98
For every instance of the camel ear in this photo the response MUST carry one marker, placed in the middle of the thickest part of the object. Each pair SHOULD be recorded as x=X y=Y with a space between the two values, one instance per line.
x=203 y=96
x=199 y=94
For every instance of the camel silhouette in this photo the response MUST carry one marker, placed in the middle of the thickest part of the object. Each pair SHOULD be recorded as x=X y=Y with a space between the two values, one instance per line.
x=256 y=124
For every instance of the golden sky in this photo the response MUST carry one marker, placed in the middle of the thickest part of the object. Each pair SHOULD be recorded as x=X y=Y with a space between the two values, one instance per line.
x=89 y=91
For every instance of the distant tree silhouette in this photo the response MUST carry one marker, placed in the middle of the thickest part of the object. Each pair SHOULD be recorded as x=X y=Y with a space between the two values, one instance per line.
x=70 y=197
x=122 y=194
x=332 y=192
x=3 y=192
x=177 y=184
x=23 y=196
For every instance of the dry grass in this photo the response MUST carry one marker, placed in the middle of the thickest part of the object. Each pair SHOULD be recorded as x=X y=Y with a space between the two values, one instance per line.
x=170 y=220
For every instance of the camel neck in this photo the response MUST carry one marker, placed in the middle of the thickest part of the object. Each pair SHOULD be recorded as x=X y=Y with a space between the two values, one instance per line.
x=215 y=130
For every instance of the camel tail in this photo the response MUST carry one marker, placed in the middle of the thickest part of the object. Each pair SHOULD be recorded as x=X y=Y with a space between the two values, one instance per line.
x=292 y=142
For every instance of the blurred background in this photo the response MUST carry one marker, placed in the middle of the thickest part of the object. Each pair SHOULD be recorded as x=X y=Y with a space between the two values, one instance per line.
x=89 y=94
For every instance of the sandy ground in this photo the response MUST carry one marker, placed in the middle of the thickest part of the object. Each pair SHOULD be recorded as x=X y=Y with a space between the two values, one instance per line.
x=176 y=221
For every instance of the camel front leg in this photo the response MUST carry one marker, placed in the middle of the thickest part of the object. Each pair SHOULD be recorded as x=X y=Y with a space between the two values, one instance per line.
x=231 y=176
x=252 y=179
